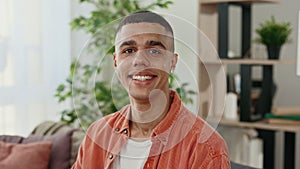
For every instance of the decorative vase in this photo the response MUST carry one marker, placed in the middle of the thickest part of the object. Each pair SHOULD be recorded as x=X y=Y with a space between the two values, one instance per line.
x=273 y=51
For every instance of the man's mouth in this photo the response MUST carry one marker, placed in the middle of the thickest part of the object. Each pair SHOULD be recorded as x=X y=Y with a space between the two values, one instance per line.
x=142 y=76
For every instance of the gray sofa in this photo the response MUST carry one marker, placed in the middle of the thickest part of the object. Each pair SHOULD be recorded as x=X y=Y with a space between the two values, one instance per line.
x=64 y=140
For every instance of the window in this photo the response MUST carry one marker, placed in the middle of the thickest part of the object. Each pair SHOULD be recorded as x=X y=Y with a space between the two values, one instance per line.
x=34 y=59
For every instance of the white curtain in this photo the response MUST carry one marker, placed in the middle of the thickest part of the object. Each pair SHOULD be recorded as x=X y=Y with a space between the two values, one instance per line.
x=34 y=59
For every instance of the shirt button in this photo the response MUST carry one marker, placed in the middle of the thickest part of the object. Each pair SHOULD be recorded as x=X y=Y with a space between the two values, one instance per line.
x=117 y=129
x=125 y=131
x=110 y=156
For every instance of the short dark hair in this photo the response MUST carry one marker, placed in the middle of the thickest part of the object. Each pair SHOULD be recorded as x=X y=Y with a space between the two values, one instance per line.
x=145 y=16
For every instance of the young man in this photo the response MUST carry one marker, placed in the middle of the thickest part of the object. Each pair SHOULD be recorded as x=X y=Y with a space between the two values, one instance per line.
x=155 y=130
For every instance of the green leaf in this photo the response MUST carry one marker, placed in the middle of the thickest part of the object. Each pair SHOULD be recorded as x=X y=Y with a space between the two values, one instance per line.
x=111 y=50
x=84 y=1
x=192 y=92
x=60 y=88
x=273 y=33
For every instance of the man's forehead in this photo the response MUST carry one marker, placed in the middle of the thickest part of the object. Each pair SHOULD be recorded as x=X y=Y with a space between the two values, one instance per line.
x=138 y=29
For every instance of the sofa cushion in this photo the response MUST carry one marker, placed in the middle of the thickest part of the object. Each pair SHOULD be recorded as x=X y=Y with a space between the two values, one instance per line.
x=11 y=139
x=19 y=156
x=60 y=153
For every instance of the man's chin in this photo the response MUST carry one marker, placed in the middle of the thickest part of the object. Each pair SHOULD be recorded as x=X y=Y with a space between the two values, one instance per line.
x=139 y=94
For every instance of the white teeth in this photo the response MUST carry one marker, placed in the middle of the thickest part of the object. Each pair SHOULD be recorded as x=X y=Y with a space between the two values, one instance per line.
x=141 y=78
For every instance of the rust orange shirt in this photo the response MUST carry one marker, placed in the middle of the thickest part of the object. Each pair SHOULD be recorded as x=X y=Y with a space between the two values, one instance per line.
x=180 y=141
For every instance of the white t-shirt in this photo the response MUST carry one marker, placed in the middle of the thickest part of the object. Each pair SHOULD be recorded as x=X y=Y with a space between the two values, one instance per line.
x=133 y=155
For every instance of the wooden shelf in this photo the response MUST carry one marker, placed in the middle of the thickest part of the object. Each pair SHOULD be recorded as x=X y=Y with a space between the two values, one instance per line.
x=260 y=125
x=252 y=62
x=208 y=2
x=256 y=61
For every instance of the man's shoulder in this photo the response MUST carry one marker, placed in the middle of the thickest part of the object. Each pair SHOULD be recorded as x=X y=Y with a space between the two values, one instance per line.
x=206 y=132
x=200 y=125
x=204 y=135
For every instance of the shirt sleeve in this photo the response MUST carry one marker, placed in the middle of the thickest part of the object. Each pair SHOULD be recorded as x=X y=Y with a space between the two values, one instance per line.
x=212 y=154
x=219 y=162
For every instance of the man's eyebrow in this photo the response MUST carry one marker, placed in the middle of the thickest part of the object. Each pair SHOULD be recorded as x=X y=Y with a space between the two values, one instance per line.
x=128 y=43
x=155 y=43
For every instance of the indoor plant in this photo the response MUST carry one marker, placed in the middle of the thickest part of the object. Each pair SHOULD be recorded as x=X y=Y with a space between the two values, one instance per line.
x=88 y=100
x=273 y=35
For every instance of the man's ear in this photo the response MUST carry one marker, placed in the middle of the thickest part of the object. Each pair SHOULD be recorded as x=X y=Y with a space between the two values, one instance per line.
x=115 y=61
x=174 y=60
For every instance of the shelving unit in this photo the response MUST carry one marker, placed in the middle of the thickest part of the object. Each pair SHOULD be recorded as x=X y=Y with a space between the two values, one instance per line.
x=213 y=22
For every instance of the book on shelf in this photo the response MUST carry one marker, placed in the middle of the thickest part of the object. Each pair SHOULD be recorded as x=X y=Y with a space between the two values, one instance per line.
x=295 y=111
x=288 y=117
x=283 y=119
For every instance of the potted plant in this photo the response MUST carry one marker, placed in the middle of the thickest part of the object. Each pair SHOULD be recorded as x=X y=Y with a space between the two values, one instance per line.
x=87 y=100
x=273 y=35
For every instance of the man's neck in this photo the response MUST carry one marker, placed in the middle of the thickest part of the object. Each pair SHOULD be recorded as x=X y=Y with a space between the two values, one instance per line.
x=145 y=116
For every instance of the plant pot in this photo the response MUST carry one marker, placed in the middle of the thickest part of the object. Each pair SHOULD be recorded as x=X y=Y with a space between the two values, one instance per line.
x=273 y=51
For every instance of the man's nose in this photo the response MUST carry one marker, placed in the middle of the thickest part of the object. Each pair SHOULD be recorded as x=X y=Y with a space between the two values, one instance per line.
x=141 y=59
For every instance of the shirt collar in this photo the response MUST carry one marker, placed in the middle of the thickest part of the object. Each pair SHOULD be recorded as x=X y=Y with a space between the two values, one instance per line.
x=122 y=124
x=163 y=129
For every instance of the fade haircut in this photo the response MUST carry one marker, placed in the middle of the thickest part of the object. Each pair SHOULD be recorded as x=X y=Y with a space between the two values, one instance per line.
x=147 y=17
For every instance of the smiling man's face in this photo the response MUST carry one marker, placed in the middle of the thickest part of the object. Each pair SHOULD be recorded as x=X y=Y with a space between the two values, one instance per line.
x=143 y=58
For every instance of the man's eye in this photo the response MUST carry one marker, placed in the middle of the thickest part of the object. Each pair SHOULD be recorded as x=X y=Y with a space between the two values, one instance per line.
x=154 y=51
x=128 y=51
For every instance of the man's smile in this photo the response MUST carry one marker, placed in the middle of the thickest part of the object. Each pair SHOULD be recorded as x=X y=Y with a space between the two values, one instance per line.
x=142 y=76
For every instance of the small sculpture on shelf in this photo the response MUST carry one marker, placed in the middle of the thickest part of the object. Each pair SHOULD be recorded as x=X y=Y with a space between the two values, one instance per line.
x=273 y=35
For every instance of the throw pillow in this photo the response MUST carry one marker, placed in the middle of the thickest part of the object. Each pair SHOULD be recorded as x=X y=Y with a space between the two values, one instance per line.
x=51 y=128
x=19 y=156
x=61 y=148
